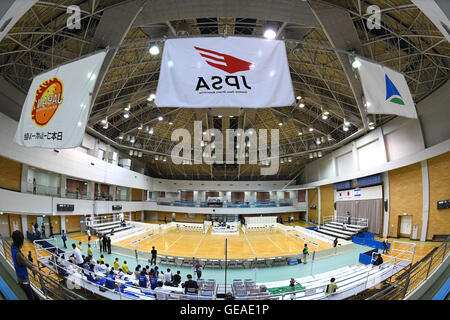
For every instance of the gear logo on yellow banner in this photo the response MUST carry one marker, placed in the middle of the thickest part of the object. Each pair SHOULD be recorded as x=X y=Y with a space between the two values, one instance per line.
x=48 y=98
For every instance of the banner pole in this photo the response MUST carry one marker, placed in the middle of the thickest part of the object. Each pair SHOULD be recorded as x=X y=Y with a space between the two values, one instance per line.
x=226 y=265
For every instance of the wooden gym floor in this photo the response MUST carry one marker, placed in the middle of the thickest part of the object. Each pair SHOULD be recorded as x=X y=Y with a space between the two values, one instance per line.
x=245 y=245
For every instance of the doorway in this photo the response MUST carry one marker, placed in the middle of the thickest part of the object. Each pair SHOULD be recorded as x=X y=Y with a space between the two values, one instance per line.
x=404 y=226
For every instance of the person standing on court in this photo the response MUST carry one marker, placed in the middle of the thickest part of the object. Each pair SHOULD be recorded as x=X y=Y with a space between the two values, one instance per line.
x=105 y=244
x=21 y=265
x=51 y=230
x=88 y=231
x=385 y=246
x=198 y=269
x=64 y=238
x=100 y=244
x=109 y=245
x=305 y=253
x=335 y=242
x=165 y=219
x=43 y=230
x=154 y=253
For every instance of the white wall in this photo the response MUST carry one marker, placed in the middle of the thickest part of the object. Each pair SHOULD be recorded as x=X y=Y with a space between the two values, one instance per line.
x=70 y=162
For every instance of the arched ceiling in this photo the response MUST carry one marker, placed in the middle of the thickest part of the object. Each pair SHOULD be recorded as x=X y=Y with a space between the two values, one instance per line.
x=318 y=36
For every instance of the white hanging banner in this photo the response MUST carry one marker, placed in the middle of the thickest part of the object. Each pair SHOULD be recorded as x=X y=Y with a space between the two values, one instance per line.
x=224 y=72
x=56 y=108
x=434 y=12
x=386 y=91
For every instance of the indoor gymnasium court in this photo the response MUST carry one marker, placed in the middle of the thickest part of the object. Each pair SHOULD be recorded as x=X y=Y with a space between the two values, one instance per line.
x=219 y=150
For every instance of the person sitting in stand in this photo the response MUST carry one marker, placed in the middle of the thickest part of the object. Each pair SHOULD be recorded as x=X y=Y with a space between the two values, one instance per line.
x=379 y=260
x=143 y=280
x=125 y=268
x=120 y=274
x=190 y=284
x=137 y=273
x=176 y=278
x=153 y=281
x=331 y=287
x=110 y=283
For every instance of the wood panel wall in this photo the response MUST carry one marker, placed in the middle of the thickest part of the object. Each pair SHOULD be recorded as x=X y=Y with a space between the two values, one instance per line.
x=31 y=220
x=10 y=173
x=211 y=194
x=301 y=195
x=187 y=195
x=184 y=217
x=312 y=200
x=15 y=218
x=439 y=182
x=136 y=194
x=326 y=200
x=73 y=223
x=405 y=195
x=263 y=196
x=55 y=221
x=237 y=196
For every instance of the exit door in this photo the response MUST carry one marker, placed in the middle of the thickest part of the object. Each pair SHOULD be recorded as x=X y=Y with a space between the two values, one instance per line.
x=405 y=226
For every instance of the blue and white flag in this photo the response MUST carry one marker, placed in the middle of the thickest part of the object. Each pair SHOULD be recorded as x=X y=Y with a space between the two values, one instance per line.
x=386 y=91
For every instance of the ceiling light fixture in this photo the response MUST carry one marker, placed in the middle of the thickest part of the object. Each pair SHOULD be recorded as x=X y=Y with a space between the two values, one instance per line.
x=270 y=34
x=154 y=50
x=356 y=64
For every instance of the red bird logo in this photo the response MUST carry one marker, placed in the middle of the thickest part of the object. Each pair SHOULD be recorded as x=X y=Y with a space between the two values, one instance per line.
x=231 y=64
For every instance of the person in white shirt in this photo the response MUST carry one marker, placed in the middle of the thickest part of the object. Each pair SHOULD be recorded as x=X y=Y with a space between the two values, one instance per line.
x=120 y=274
x=102 y=268
x=78 y=256
x=160 y=294
x=161 y=277
x=33 y=229
x=89 y=235
x=168 y=276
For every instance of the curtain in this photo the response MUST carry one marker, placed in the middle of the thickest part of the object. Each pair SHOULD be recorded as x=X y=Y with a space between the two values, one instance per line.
x=369 y=209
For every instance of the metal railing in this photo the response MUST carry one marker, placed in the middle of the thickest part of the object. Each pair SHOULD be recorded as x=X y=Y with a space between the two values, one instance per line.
x=46 y=285
x=417 y=274
x=43 y=190
x=364 y=222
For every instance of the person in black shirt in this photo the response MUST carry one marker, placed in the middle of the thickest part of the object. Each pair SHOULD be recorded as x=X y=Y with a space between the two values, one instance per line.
x=104 y=242
x=176 y=278
x=335 y=242
x=154 y=253
x=379 y=260
x=190 y=284
x=109 y=245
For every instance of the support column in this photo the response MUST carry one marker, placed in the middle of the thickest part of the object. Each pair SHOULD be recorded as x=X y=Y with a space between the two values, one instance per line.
x=63 y=223
x=386 y=209
x=307 y=205
x=24 y=221
x=355 y=157
x=24 y=179
x=91 y=190
x=62 y=185
x=426 y=201
x=319 y=207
